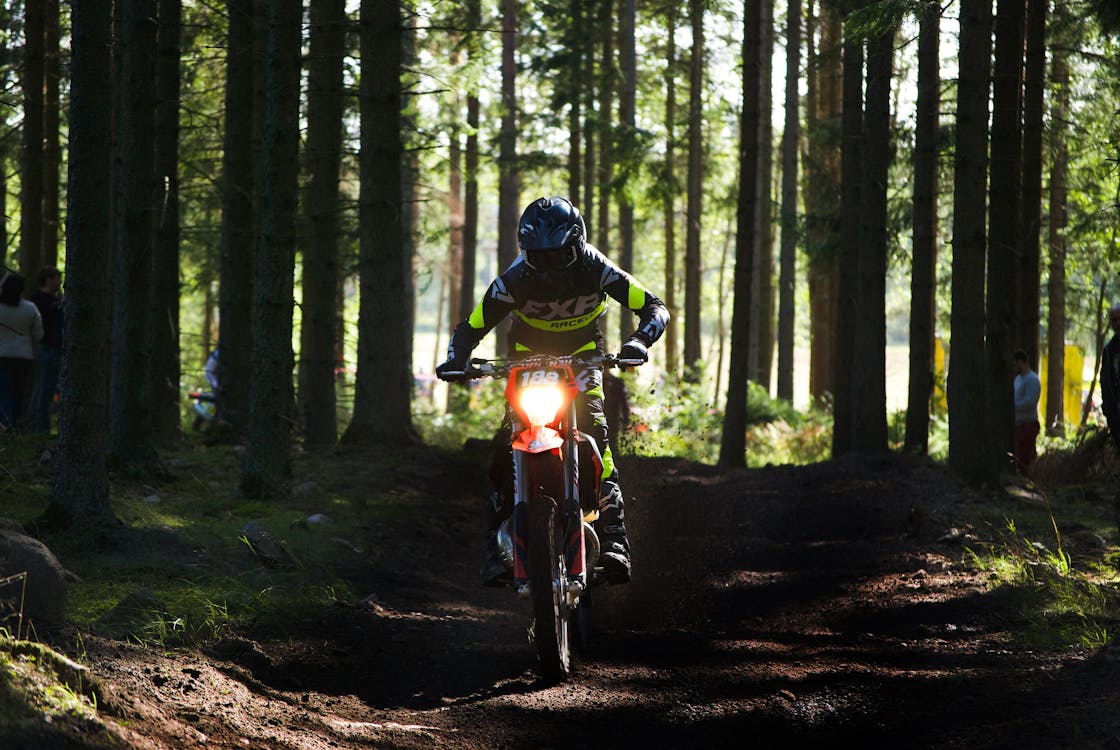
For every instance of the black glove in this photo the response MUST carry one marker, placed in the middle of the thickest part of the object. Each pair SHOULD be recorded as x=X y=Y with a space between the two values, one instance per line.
x=634 y=349
x=451 y=364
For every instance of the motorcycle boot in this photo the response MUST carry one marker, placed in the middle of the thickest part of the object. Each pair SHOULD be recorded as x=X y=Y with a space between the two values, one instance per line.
x=614 y=553
x=494 y=571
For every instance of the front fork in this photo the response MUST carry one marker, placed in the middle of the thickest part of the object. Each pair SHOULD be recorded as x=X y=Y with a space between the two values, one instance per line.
x=535 y=479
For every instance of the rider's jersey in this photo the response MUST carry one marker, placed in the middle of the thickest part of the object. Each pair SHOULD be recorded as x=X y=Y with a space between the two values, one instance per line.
x=557 y=313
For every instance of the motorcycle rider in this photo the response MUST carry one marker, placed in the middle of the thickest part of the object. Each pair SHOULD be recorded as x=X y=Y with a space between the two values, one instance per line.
x=555 y=292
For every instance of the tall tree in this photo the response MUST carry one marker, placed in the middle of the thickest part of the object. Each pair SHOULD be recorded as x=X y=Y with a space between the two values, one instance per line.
x=52 y=73
x=627 y=104
x=31 y=154
x=1028 y=299
x=692 y=263
x=851 y=176
x=732 y=447
x=164 y=354
x=822 y=199
x=236 y=274
x=470 y=174
x=80 y=493
x=969 y=450
x=266 y=469
x=606 y=129
x=791 y=135
x=669 y=185
x=869 y=384
x=574 y=85
x=382 y=400
x=509 y=187
x=762 y=296
x=130 y=425
x=1057 y=242
x=923 y=276
x=321 y=207
x=1004 y=224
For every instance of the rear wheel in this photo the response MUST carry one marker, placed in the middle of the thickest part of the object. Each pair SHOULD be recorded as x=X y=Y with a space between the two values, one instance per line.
x=548 y=579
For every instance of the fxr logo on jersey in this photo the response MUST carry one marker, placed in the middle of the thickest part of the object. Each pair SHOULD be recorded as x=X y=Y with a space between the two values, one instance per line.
x=568 y=308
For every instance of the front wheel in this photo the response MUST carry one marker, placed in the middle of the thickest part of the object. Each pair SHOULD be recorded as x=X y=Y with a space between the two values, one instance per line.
x=548 y=578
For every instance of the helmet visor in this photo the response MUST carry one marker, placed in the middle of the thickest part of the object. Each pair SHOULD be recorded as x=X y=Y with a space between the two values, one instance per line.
x=551 y=259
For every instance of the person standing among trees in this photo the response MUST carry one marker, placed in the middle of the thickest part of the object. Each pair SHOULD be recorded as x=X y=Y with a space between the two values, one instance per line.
x=1110 y=376
x=21 y=329
x=48 y=355
x=1027 y=388
x=556 y=291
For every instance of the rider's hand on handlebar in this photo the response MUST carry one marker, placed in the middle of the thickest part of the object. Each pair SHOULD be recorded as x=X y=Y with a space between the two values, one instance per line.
x=451 y=365
x=633 y=353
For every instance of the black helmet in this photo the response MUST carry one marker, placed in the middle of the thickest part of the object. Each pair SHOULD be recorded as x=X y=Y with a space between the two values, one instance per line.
x=551 y=234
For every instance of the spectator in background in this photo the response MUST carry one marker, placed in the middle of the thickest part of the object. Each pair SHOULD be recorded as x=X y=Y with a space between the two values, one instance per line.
x=1110 y=376
x=1027 y=390
x=48 y=355
x=21 y=329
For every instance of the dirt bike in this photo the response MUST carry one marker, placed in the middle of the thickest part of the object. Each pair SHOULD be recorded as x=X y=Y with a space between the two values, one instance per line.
x=204 y=409
x=550 y=542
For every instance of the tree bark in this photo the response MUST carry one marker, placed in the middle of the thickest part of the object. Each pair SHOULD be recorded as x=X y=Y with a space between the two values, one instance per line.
x=923 y=275
x=130 y=417
x=669 y=188
x=692 y=261
x=1057 y=242
x=266 y=469
x=762 y=312
x=1005 y=193
x=627 y=103
x=969 y=450
x=791 y=135
x=1029 y=299
x=80 y=493
x=48 y=256
x=470 y=178
x=869 y=381
x=31 y=154
x=732 y=448
x=509 y=188
x=325 y=108
x=848 y=257
x=383 y=395
x=164 y=355
x=236 y=275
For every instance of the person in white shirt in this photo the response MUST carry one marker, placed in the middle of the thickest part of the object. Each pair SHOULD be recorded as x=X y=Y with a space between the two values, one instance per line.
x=21 y=330
x=1027 y=390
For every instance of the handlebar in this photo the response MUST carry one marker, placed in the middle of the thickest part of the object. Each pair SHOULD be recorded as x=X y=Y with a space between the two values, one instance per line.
x=499 y=368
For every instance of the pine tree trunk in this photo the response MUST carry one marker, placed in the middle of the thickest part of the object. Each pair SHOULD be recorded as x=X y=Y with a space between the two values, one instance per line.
x=605 y=171
x=1029 y=294
x=325 y=107
x=968 y=405
x=1057 y=243
x=383 y=391
x=48 y=256
x=130 y=413
x=31 y=155
x=822 y=203
x=869 y=383
x=791 y=135
x=627 y=97
x=80 y=493
x=266 y=469
x=732 y=448
x=470 y=181
x=236 y=275
x=509 y=188
x=923 y=276
x=1005 y=201
x=845 y=321
x=762 y=312
x=166 y=411
x=669 y=189
x=692 y=260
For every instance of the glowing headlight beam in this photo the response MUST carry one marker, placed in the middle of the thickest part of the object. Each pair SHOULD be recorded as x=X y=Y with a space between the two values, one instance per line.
x=540 y=404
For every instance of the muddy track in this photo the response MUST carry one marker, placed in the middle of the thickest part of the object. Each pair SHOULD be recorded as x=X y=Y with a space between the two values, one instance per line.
x=791 y=605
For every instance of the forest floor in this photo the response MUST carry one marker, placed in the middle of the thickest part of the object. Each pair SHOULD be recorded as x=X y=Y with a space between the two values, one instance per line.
x=792 y=605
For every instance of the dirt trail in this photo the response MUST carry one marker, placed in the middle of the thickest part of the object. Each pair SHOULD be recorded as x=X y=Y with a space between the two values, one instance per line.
x=791 y=605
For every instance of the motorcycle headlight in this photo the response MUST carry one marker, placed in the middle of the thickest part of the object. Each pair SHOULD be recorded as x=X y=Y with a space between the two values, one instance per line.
x=540 y=404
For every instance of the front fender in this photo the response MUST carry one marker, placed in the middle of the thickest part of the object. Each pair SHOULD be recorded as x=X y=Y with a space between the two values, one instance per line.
x=538 y=440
